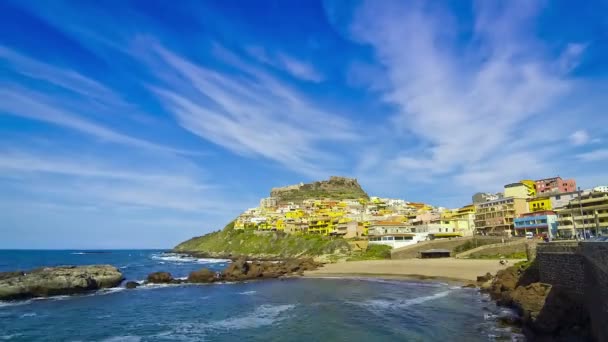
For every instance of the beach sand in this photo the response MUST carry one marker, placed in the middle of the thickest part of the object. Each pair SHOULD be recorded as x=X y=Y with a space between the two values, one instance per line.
x=464 y=270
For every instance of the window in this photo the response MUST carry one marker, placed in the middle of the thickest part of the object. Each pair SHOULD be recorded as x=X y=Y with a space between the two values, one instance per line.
x=558 y=197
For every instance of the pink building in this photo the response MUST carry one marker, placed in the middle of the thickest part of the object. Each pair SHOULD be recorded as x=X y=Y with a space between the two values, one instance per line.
x=555 y=185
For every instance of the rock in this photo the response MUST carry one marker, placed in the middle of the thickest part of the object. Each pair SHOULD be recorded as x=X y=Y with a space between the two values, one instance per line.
x=160 y=278
x=237 y=270
x=242 y=270
x=61 y=280
x=469 y=286
x=132 y=284
x=484 y=278
x=203 y=275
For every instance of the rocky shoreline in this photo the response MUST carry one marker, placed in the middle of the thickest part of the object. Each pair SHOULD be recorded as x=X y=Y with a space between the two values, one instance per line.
x=240 y=269
x=56 y=281
x=545 y=312
x=70 y=280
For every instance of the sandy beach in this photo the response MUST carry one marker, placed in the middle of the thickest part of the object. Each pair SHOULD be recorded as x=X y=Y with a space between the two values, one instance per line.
x=447 y=269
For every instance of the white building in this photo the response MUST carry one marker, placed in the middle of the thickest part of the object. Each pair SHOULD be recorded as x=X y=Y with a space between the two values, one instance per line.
x=601 y=188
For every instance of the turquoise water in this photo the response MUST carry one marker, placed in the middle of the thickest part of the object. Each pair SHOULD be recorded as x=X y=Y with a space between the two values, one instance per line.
x=274 y=310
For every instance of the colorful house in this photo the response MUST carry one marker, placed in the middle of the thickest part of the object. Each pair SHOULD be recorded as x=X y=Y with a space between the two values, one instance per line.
x=539 y=223
x=539 y=204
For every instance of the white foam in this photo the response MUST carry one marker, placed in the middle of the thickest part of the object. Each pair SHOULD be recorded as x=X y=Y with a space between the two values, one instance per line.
x=247 y=293
x=384 y=304
x=181 y=258
x=9 y=337
x=4 y=304
x=126 y=338
x=29 y=314
x=263 y=315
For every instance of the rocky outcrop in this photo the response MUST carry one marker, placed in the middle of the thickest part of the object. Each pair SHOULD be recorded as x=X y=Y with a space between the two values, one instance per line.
x=202 y=276
x=160 y=278
x=53 y=281
x=546 y=312
x=335 y=188
x=243 y=270
x=240 y=270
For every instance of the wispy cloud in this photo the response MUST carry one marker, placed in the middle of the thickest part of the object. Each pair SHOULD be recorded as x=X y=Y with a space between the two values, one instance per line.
x=297 y=68
x=96 y=182
x=468 y=103
x=250 y=113
x=596 y=155
x=64 y=78
x=36 y=106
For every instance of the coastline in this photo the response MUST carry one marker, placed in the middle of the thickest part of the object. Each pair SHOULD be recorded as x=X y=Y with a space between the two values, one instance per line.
x=448 y=269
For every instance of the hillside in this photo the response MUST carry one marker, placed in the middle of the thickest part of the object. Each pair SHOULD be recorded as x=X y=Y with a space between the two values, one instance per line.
x=230 y=243
x=337 y=188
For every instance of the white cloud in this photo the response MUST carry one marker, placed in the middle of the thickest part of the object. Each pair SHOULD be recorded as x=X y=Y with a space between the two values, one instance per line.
x=579 y=137
x=65 y=78
x=470 y=104
x=92 y=181
x=300 y=69
x=33 y=105
x=250 y=113
x=297 y=68
x=596 y=155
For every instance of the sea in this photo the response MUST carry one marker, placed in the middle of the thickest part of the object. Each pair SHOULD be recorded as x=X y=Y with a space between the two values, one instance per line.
x=291 y=309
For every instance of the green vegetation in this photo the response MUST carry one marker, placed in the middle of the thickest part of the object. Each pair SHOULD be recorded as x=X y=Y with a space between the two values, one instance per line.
x=246 y=242
x=516 y=255
x=373 y=252
x=470 y=244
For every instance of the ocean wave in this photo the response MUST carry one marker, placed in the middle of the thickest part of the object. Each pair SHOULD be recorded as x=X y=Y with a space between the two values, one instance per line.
x=261 y=316
x=28 y=314
x=126 y=338
x=4 y=304
x=247 y=293
x=10 y=336
x=385 y=304
x=182 y=258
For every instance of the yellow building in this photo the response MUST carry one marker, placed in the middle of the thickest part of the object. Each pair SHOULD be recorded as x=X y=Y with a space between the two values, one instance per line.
x=516 y=190
x=530 y=186
x=460 y=222
x=539 y=204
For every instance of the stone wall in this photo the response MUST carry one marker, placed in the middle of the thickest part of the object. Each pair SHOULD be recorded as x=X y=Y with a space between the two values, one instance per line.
x=494 y=249
x=581 y=269
x=595 y=256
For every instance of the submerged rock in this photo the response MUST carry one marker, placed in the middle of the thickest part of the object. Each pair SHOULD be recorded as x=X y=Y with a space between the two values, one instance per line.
x=61 y=280
x=132 y=284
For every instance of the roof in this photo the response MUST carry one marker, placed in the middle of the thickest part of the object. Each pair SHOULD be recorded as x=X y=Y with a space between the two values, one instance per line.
x=436 y=251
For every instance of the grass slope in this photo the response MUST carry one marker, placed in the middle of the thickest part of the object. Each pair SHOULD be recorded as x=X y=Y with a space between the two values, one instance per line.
x=238 y=242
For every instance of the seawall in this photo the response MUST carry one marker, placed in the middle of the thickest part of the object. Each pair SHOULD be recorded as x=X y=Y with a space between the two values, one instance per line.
x=581 y=270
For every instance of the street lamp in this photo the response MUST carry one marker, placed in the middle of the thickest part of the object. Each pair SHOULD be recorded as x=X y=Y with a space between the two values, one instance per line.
x=580 y=203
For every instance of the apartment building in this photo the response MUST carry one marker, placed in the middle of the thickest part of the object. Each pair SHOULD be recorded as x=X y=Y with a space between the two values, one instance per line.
x=554 y=185
x=496 y=217
x=539 y=223
x=585 y=215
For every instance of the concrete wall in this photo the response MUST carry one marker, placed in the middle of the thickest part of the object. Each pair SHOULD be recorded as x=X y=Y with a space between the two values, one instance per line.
x=412 y=251
x=582 y=270
x=518 y=246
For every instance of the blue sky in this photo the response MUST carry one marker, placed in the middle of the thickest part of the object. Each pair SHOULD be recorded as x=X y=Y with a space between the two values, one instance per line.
x=127 y=124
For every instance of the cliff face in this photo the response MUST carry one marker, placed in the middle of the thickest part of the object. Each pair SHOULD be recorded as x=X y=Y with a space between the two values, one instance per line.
x=337 y=188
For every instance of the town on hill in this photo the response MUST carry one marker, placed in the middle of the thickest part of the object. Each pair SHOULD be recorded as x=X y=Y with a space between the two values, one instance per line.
x=550 y=208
